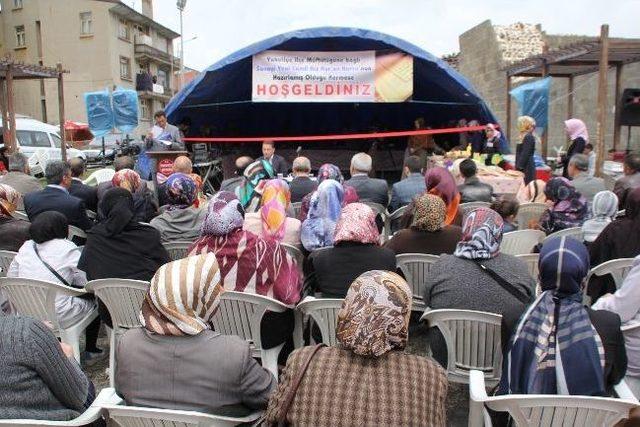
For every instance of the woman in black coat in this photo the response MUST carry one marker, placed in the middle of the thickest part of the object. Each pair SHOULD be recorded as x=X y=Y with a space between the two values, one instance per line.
x=577 y=131
x=526 y=148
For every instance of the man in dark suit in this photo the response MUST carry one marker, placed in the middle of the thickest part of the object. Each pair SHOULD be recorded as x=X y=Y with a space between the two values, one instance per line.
x=86 y=193
x=56 y=197
x=232 y=183
x=403 y=192
x=279 y=164
x=301 y=185
x=368 y=189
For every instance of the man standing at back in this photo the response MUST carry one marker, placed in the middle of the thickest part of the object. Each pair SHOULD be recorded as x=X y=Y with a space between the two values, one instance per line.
x=163 y=136
x=368 y=189
x=56 y=197
x=630 y=180
x=18 y=177
x=578 y=170
x=88 y=194
x=403 y=192
x=278 y=162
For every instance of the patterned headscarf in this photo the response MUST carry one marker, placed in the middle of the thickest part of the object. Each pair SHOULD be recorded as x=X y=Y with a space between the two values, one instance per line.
x=9 y=199
x=330 y=171
x=357 y=223
x=127 y=179
x=481 y=235
x=440 y=182
x=556 y=349
x=576 y=128
x=324 y=211
x=430 y=212
x=181 y=191
x=569 y=207
x=224 y=214
x=276 y=198
x=253 y=175
x=374 y=318
x=183 y=296
x=605 y=205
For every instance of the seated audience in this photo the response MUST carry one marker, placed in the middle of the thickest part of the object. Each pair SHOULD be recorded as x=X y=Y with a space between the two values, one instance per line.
x=271 y=221
x=326 y=204
x=179 y=219
x=50 y=256
x=39 y=377
x=372 y=329
x=254 y=178
x=301 y=185
x=440 y=182
x=232 y=183
x=355 y=250
x=178 y=338
x=56 y=197
x=584 y=184
x=532 y=193
x=182 y=164
x=473 y=190
x=86 y=193
x=19 y=177
x=591 y=155
x=14 y=231
x=145 y=205
x=568 y=208
x=556 y=345
x=403 y=192
x=368 y=189
x=604 y=209
x=428 y=233
x=332 y=172
x=630 y=180
x=120 y=163
x=277 y=162
x=508 y=209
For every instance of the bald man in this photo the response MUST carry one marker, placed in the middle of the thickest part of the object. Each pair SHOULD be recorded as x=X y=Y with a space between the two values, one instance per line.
x=232 y=183
x=302 y=184
x=182 y=164
x=86 y=193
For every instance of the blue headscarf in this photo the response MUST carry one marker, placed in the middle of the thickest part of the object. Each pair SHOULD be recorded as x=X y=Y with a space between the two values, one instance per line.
x=180 y=191
x=556 y=349
x=324 y=211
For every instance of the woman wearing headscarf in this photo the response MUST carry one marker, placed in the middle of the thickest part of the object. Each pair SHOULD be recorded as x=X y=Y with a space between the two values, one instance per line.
x=332 y=172
x=428 y=233
x=271 y=221
x=577 y=132
x=179 y=219
x=559 y=346
x=569 y=208
x=526 y=148
x=145 y=207
x=177 y=338
x=604 y=209
x=355 y=250
x=356 y=383
x=440 y=182
x=14 y=231
x=492 y=143
x=532 y=192
x=250 y=191
x=326 y=205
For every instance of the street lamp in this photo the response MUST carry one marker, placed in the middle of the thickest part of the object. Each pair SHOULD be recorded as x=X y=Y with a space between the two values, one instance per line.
x=181 y=4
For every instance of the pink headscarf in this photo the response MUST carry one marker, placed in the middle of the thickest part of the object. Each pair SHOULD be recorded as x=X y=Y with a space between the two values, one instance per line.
x=357 y=223
x=576 y=129
x=496 y=132
x=273 y=212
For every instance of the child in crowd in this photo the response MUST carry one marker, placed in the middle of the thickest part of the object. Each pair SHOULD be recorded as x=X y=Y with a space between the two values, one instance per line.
x=508 y=210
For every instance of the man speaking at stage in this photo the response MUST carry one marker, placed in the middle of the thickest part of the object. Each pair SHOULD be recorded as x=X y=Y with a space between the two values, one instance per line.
x=163 y=136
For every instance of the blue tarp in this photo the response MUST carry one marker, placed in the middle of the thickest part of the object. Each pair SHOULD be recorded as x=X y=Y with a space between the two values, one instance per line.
x=125 y=109
x=99 y=112
x=533 y=100
x=219 y=98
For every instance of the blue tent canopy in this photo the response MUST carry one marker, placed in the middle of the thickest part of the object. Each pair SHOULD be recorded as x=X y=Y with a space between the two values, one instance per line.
x=220 y=96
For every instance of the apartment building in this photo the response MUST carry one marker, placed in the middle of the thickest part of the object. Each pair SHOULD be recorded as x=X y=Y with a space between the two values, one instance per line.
x=104 y=44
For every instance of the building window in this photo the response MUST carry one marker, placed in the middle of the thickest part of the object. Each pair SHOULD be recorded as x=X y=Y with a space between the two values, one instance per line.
x=145 y=110
x=21 y=39
x=123 y=30
x=86 y=23
x=17 y=4
x=162 y=78
x=125 y=68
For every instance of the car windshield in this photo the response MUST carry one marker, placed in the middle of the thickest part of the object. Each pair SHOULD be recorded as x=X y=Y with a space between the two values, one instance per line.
x=56 y=140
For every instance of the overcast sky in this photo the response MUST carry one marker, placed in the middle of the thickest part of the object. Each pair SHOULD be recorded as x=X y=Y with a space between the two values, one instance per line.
x=223 y=27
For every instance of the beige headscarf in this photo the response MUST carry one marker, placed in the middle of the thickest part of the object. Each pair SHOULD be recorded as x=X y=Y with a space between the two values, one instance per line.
x=9 y=199
x=532 y=193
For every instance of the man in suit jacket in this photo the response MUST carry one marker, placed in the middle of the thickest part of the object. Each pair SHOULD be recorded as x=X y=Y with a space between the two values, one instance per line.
x=368 y=189
x=163 y=136
x=19 y=178
x=88 y=194
x=586 y=185
x=301 y=185
x=403 y=192
x=232 y=183
x=630 y=180
x=56 y=197
x=279 y=164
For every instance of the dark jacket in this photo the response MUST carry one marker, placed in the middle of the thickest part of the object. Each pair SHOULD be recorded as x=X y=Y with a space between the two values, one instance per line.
x=55 y=199
x=576 y=147
x=300 y=186
x=524 y=158
x=231 y=184
x=423 y=242
x=475 y=191
x=14 y=233
x=370 y=189
x=331 y=271
x=88 y=194
x=279 y=164
x=403 y=192
x=624 y=186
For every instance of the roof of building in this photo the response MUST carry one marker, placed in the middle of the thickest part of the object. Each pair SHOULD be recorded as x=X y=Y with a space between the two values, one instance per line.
x=133 y=15
x=21 y=71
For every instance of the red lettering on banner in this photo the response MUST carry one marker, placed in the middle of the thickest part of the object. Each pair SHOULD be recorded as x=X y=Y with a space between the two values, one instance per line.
x=367 y=90
x=328 y=90
x=273 y=90
x=296 y=89
x=307 y=90
x=348 y=90
x=261 y=89
x=317 y=91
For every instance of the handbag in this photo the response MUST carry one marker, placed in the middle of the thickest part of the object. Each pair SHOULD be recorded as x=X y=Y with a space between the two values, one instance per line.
x=517 y=293
x=51 y=269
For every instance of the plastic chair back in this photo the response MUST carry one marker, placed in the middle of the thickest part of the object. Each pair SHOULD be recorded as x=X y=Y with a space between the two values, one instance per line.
x=528 y=212
x=178 y=249
x=573 y=232
x=467 y=207
x=297 y=206
x=520 y=242
x=136 y=416
x=296 y=254
x=20 y=215
x=76 y=232
x=532 y=263
x=5 y=261
x=415 y=268
x=324 y=312
x=100 y=176
x=390 y=221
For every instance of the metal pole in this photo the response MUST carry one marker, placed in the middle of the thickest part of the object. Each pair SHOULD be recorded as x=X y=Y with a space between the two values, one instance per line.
x=181 y=53
x=63 y=146
x=602 y=95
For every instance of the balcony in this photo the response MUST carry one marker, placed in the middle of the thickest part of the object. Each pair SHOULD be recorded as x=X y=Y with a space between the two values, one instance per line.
x=146 y=52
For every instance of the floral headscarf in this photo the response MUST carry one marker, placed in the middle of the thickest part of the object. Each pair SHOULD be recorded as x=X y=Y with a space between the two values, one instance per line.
x=374 y=318
x=253 y=175
x=576 y=129
x=430 y=212
x=276 y=198
x=569 y=207
x=127 y=179
x=224 y=214
x=181 y=191
x=481 y=235
x=440 y=182
x=325 y=207
x=183 y=297
x=330 y=171
x=357 y=223
x=9 y=199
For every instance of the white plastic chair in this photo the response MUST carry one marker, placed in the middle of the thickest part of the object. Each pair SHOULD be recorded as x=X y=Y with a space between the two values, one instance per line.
x=521 y=242
x=100 y=176
x=36 y=298
x=542 y=410
x=177 y=249
x=297 y=206
x=296 y=254
x=123 y=299
x=415 y=268
x=324 y=312
x=76 y=232
x=532 y=263
x=573 y=232
x=617 y=268
x=472 y=339
x=20 y=215
x=38 y=161
x=389 y=220
x=240 y=314
x=93 y=413
x=5 y=261
x=467 y=207
x=528 y=212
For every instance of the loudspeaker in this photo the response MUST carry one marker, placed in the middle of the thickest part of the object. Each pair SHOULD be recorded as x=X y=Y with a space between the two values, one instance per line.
x=630 y=107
